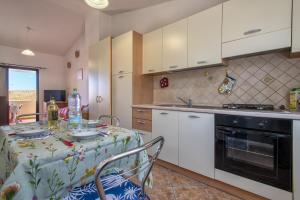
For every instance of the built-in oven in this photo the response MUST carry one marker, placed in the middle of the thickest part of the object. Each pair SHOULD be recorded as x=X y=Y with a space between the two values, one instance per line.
x=256 y=148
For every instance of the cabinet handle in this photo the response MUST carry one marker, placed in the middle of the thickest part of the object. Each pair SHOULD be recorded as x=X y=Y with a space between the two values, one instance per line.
x=173 y=67
x=121 y=71
x=141 y=122
x=140 y=111
x=100 y=99
x=194 y=117
x=252 y=31
x=164 y=113
x=97 y=99
x=201 y=62
x=121 y=77
x=151 y=70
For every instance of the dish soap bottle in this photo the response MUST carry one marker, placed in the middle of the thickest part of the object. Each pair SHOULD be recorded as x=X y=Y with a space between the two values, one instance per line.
x=74 y=104
x=52 y=114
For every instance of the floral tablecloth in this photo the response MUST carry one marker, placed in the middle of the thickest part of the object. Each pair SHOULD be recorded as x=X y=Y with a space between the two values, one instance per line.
x=48 y=169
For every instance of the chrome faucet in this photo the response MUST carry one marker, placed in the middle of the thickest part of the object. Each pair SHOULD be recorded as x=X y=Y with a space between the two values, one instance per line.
x=189 y=102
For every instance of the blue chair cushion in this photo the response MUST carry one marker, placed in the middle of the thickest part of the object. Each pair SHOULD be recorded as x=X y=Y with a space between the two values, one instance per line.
x=116 y=187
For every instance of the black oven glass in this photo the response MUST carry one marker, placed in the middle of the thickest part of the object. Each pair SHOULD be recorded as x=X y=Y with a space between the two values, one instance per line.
x=255 y=153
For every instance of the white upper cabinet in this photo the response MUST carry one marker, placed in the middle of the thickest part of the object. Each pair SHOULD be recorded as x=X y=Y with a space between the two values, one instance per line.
x=251 y=26
x=152 y=52
x=175 y=44
x=205 y=37
x=122 y=54
x=296 y=26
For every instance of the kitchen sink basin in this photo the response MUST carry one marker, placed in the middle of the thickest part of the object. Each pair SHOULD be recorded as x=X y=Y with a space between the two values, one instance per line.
x=186 y=106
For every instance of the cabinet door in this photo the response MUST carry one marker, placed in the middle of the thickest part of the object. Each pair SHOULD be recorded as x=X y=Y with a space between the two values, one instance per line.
x=122 y=99
x=100 y=79
x=175 y=46
x=122 y=54
x=296 y=159
x=152 y=52
x=104 y=77
x=205 y=39
x=296 y=26
x=196 y=142
x=244 y=18
x=165 y=123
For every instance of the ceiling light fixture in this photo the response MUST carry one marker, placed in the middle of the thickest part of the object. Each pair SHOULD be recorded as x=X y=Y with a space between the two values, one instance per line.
x=98 y=4
x=28 y=52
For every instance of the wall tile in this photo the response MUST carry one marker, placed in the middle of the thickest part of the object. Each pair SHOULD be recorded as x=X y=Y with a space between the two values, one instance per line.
x=264 y=79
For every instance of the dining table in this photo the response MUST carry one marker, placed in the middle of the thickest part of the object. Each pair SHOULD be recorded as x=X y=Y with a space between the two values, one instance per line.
x=49 y=167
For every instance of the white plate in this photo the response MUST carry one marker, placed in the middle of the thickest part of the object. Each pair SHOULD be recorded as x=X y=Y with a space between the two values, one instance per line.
x=30 y=133
x=84 y=134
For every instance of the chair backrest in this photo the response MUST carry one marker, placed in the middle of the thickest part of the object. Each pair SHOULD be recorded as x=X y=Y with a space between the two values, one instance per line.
x=109 y=118
x=19 y=117
x=147 y=167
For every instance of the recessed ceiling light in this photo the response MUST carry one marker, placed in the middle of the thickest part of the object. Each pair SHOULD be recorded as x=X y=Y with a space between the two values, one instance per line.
x=28 y=52
x=98 y=4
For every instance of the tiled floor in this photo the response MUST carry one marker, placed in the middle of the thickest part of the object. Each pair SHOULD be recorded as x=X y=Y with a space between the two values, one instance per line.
x=169 y=185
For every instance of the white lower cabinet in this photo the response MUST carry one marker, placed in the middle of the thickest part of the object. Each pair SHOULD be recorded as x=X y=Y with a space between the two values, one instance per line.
x=165 y=123
x=189 y=139
x=196 y=142
x=296 y=159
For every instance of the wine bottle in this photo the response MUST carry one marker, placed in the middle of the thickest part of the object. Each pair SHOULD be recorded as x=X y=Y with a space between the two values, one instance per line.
x=52 y=114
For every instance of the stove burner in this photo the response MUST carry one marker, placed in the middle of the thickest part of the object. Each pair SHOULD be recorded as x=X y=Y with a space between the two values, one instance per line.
x=248 y=106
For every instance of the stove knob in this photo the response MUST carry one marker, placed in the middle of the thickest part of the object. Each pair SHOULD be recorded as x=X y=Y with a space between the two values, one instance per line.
x=235 y=121
x=261 y=124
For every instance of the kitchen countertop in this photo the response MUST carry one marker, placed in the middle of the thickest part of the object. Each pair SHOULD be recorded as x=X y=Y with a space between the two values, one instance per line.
x=219 y=110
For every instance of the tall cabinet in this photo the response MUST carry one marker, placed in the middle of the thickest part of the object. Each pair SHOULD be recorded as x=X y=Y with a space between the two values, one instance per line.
x=100 y=78
x=129 y=86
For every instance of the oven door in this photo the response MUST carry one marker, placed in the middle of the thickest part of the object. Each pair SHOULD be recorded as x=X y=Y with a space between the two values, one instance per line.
x=261 y=156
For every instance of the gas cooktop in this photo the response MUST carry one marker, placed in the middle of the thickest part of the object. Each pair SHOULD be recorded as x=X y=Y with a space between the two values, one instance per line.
x=248 y=106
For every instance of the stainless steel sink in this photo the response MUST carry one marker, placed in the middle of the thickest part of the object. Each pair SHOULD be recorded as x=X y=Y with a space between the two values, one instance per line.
x=186 y=106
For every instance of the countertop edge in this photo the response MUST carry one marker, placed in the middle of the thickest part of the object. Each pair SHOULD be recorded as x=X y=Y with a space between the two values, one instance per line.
x=270 y=114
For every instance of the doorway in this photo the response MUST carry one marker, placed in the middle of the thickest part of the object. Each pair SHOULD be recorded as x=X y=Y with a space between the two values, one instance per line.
x=19 y=94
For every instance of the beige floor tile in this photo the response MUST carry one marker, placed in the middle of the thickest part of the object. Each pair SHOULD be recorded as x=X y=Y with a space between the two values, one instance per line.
x=169 y=185
x=161 y=193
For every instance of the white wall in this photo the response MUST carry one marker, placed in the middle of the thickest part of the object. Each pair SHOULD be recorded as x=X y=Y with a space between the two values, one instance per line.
x=97 y=27
x=51 y=78
x=77 y=64
x=150 y=18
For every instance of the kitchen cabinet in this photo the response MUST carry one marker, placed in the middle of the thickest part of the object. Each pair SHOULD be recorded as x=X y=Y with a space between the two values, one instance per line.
x=99 y=63
x=296 y=27
x=165 y=123
x=205 y=39
x=129 y=86
x=255 y=26
x=196 y=142
x=296 y=159
x=122 y=99
x=175 y=45
x=152 y=52
x=122 y=54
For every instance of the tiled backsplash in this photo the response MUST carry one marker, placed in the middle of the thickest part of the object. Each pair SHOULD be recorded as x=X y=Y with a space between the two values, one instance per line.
x=264 y=79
